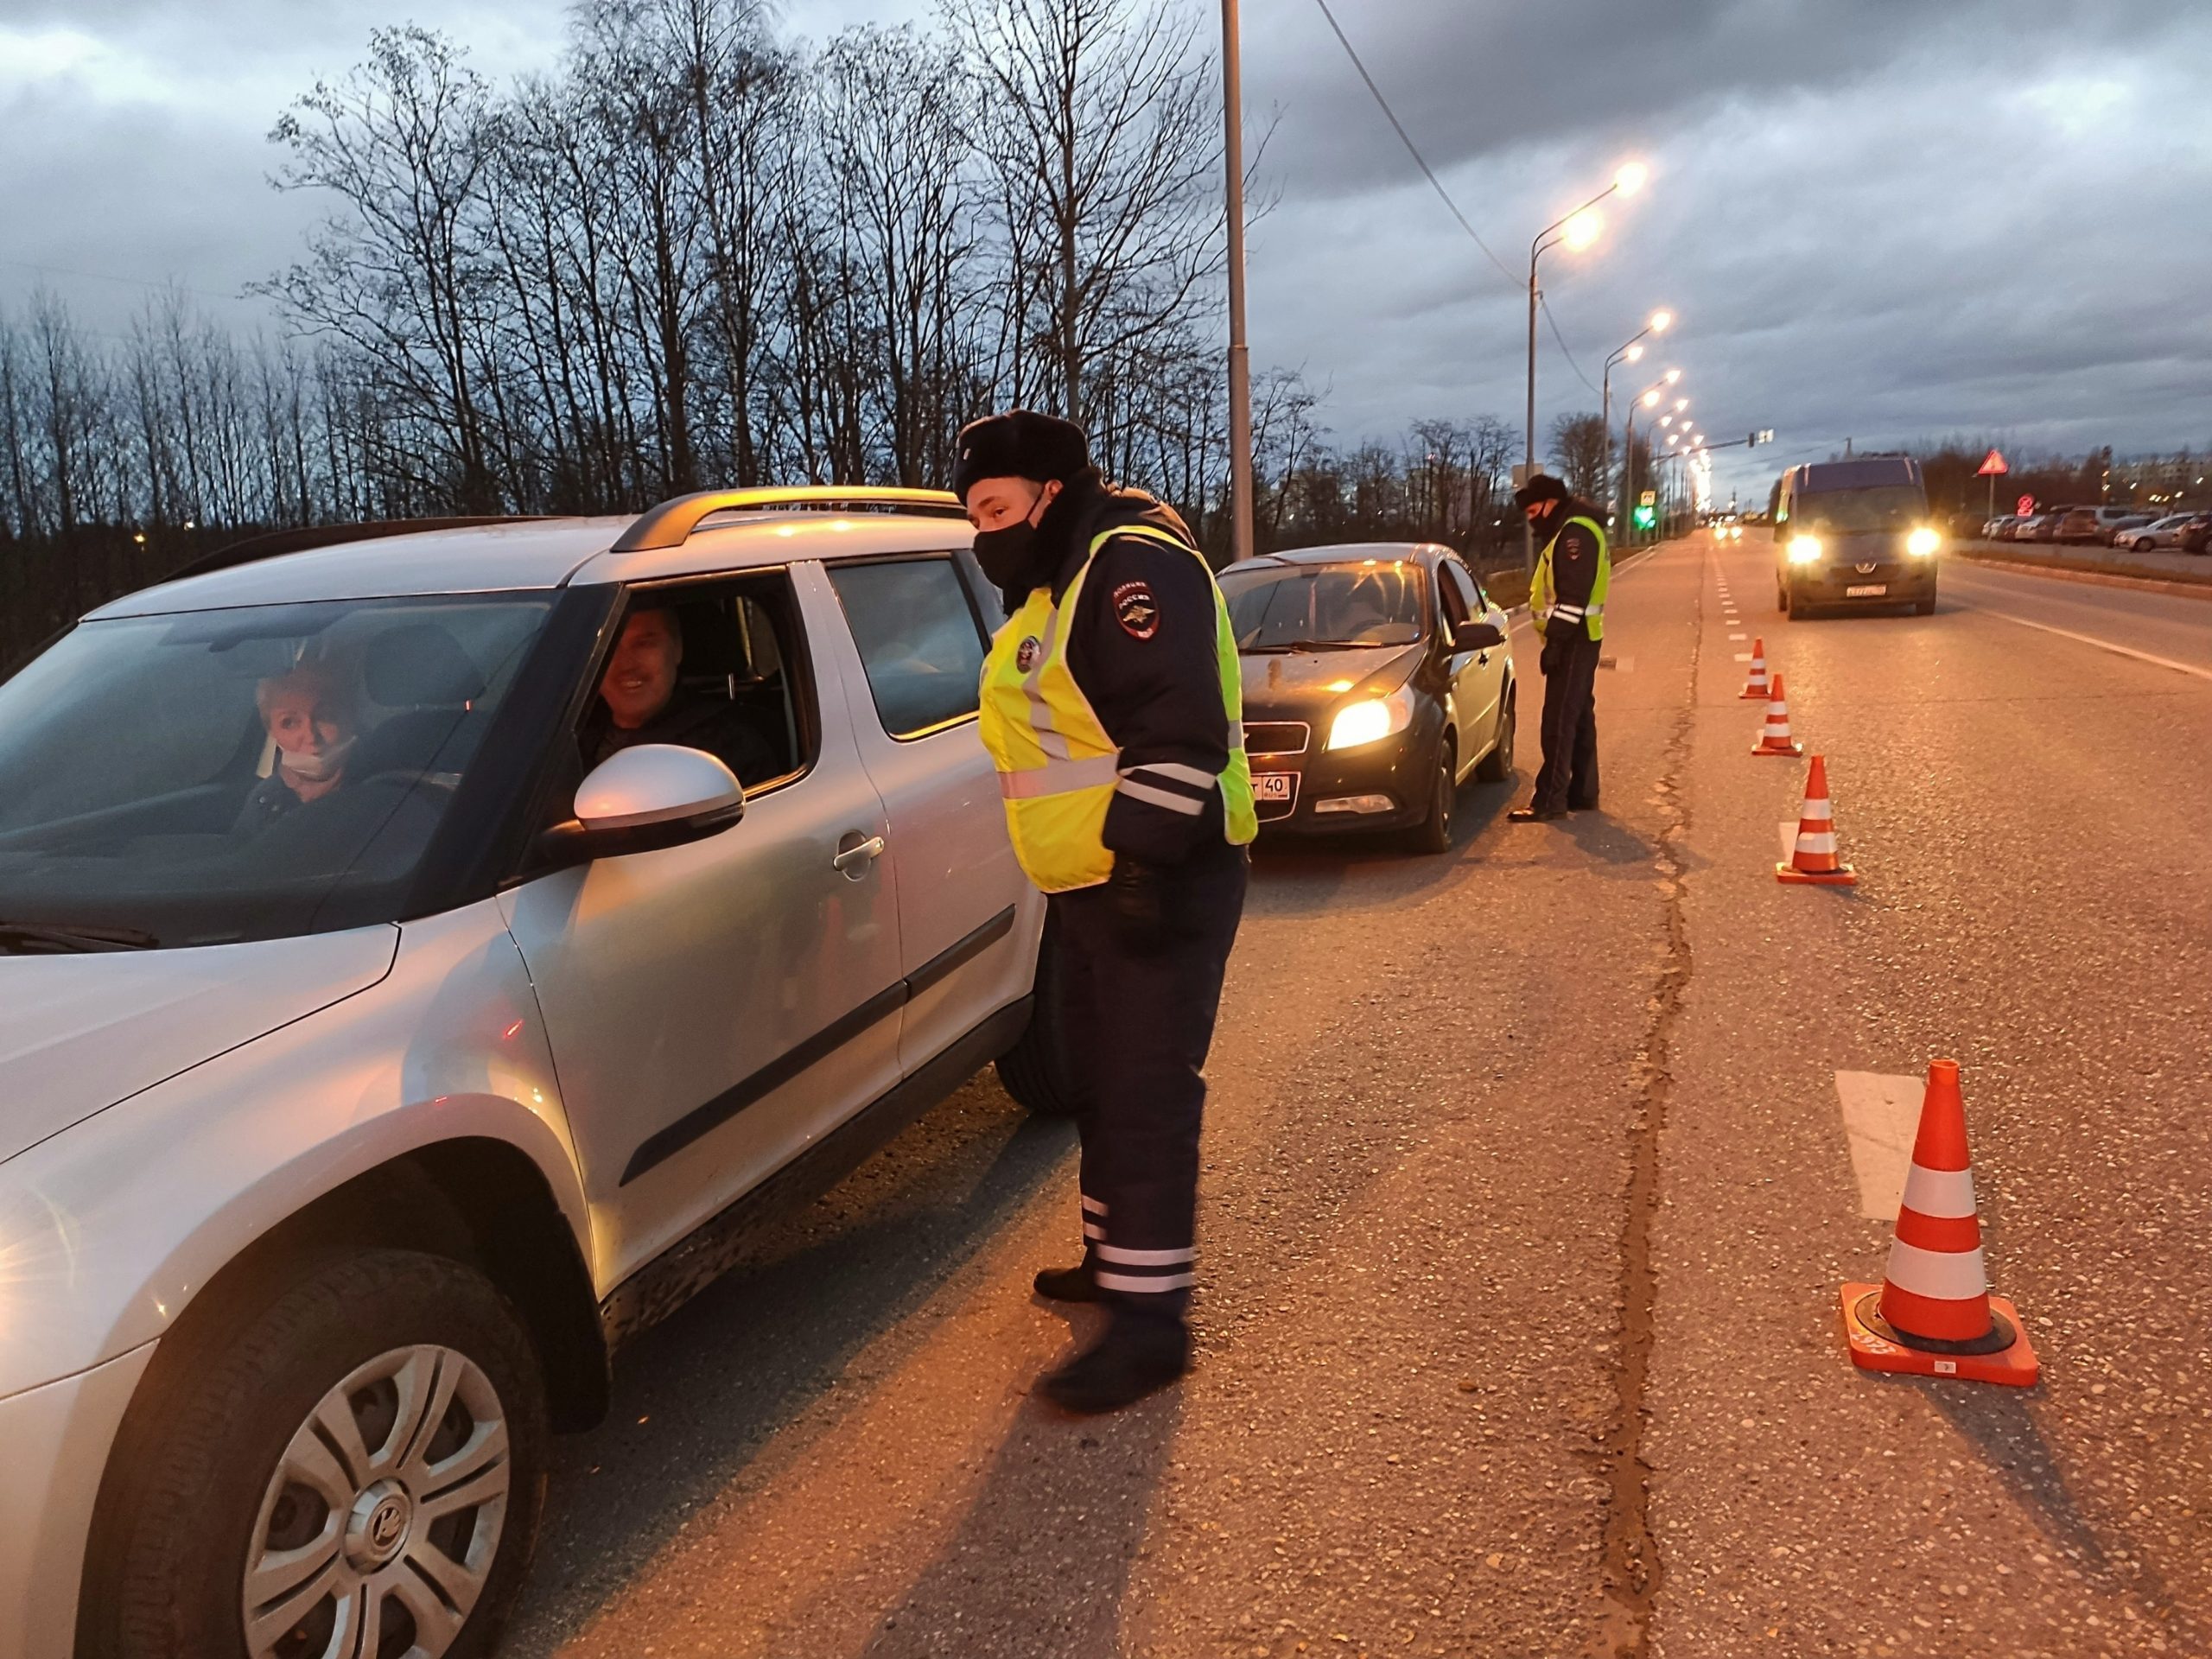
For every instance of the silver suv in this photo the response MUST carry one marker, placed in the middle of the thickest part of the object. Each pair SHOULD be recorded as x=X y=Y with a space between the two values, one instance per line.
x=382 y=1041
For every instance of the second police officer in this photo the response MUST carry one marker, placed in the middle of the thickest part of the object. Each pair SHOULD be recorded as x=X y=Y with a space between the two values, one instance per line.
x=1566 y=602
x=1111 y=706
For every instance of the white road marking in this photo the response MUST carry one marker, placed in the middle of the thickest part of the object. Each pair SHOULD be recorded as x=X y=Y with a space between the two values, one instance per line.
x=1881 y=1116
x=1787 y=835
x=1741 y=636
x=2102 y=644
x=1743 y=655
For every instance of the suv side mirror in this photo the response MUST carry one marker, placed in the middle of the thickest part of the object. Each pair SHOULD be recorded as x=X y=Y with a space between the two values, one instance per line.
x=644 y=799
x=1480 y=634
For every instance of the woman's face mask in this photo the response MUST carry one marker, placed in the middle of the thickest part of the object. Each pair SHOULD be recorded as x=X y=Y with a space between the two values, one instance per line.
x=314 y=766
x=313 y=741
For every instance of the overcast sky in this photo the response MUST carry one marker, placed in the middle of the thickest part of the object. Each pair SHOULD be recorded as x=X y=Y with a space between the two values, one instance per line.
x=1884 y=219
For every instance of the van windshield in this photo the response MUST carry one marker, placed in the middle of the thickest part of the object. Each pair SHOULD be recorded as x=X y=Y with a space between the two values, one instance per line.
x=1893 y=506
x=207 y=777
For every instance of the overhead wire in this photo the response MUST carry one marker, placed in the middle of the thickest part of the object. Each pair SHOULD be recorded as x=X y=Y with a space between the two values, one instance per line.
x=1545 y=301
x=1413 y=150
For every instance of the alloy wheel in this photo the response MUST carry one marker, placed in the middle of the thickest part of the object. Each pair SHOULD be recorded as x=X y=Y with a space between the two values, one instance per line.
x=382 y=1518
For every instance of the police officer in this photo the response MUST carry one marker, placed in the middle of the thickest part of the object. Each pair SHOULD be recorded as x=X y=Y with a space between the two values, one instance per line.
x=1111 y=708
x=1567 y=601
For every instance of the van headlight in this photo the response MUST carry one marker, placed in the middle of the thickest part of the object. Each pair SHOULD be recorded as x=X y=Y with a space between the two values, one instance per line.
x=1922 y=543
x=1803 y=550
x=1370 y=720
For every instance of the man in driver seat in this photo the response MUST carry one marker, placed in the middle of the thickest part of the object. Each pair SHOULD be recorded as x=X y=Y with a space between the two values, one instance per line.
x=308 y=713
x=642 y=701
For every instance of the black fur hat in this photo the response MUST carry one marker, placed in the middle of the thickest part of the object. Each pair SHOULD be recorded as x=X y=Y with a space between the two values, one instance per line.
x=1020 y=443
x=1542 y=486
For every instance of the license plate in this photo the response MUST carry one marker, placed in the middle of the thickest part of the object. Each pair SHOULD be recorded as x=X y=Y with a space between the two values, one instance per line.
x=1275 y=785
x=1870 y=590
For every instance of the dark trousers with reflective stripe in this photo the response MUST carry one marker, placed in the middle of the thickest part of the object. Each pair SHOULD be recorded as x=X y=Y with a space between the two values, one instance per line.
x=1569 y=775
x=1139 y=1020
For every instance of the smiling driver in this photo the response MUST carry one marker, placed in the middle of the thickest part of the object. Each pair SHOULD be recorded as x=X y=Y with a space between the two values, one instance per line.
x=1112 y=708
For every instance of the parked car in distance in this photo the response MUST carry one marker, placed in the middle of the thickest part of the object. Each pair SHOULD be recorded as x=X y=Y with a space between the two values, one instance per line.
x=1999 y=529
x=2196 y=534
x=383 y=1044
x=2159 y=533
x=2083 y=526
x=2124 y=523
x=1377 y=680
x=2045 y=527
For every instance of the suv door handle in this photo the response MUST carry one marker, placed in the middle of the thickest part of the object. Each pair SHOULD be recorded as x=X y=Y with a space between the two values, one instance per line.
x=850 y=859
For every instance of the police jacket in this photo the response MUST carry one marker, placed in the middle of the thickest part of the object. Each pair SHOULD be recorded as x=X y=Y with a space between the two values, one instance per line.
x=1573 y=554
x=1141 y=646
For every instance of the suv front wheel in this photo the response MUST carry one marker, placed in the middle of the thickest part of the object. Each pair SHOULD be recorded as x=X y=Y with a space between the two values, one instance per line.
x=354 y=1463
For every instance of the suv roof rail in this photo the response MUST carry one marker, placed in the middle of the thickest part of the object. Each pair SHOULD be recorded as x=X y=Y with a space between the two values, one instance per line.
x=671 y=522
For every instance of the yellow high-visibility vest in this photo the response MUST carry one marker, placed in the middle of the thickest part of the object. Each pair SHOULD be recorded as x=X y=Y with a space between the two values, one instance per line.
x=1057 y=768
x=1543 y=596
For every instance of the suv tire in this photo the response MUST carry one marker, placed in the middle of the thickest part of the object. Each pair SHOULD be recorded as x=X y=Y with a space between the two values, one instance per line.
x=194 y=1497
x=1036 y=1070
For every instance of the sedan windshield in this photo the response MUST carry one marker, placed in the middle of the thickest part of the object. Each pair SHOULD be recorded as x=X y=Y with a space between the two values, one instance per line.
x=206 y=777
x=1316 y=606
x=1895 y=506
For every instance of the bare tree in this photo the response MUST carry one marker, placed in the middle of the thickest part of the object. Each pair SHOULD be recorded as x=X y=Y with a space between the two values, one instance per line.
x=1582 y=449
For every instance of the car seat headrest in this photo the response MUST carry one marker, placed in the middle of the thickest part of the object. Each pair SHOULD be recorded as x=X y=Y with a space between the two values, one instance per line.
x=421 y=665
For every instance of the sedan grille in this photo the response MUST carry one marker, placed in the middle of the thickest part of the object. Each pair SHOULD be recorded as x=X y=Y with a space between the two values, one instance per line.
x=1276 y=736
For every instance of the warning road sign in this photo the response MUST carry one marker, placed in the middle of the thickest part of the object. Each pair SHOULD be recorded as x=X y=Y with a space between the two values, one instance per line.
x=1993 y=466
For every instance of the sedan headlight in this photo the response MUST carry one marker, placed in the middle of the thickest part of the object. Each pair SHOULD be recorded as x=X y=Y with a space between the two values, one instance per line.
x=1370 y=720
x=1803 y=550
x=1922 y=543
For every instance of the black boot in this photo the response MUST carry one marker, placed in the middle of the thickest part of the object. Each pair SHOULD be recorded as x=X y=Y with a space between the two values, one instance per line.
x=1075 y=1284
x=1136 y=1356
x=1533 y=815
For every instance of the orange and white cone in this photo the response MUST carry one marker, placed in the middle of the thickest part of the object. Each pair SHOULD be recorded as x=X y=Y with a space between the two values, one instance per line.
x=1757 y=686
x=1932 y=1315
x=1813 y=861
x=1775 y=739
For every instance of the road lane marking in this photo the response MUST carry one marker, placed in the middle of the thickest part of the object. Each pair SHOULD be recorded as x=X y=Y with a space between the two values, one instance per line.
x=2102 y=644
x=1881 y=1116
x=1743 y=655
x=1739 y=636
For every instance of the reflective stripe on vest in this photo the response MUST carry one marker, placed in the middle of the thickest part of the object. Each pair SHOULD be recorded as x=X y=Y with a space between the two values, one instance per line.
x=1540 y=588
x=1058 y=770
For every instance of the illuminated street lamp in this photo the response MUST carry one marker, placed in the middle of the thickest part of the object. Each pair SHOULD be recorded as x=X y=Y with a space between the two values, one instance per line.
x=1578 y=230
x=1649 y=398
x=1630 y=352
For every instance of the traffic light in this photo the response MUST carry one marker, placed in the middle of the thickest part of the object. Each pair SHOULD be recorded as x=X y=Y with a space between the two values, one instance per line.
x=1644 y=518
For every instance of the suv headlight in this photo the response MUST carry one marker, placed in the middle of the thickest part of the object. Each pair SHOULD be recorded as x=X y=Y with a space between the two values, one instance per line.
x=1371 y=719
x=1922 y=543
x=1803 y=550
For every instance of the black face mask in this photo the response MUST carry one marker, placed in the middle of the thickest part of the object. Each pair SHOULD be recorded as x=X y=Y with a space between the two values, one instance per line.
x=1007 y=555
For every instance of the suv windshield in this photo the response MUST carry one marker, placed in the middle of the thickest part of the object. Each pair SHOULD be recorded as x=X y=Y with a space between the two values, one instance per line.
x=1286 y=608
x=205 y=777
x=1891 y=506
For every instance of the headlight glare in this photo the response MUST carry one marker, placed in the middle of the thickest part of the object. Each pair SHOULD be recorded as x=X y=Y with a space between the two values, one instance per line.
x=1922 y=543
x=1370 y=720
x=1803 y=550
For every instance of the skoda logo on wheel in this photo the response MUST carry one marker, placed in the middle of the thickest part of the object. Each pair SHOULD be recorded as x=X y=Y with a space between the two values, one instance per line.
x=388 y=1524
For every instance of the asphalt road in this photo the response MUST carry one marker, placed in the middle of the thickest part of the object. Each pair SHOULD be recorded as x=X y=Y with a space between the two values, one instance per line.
x=1527 y=1194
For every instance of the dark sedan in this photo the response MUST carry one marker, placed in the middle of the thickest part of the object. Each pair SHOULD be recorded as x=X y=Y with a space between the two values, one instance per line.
x=1376 y=680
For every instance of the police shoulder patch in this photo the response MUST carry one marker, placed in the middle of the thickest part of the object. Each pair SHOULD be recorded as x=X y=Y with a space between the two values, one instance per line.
x=1136 y=610
x=1026 y=653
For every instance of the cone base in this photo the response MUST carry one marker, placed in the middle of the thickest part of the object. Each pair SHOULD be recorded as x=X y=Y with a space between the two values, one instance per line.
x=1754 y=693
x=2015 y=1367
x=1843 y=876
x=1793 y=747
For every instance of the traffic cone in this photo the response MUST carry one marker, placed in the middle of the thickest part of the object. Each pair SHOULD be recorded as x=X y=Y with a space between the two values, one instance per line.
x=1757 y=686
x=1932 y=1315
x=1813 y=861
x=1776 y=738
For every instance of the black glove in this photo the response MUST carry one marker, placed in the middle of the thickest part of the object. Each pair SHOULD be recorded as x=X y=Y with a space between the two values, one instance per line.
x=1140 y=893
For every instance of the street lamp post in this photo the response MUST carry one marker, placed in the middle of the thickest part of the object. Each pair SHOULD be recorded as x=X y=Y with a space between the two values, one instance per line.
x=1240 y=362
x=1628 y=351
x=1578 y=230
x=1649 y=398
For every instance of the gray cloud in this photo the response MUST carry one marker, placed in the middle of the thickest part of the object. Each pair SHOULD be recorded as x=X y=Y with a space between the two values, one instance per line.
x=1882 y=219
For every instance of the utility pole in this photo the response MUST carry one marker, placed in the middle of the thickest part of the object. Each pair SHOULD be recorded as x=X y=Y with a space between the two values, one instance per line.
x=1240 y=360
